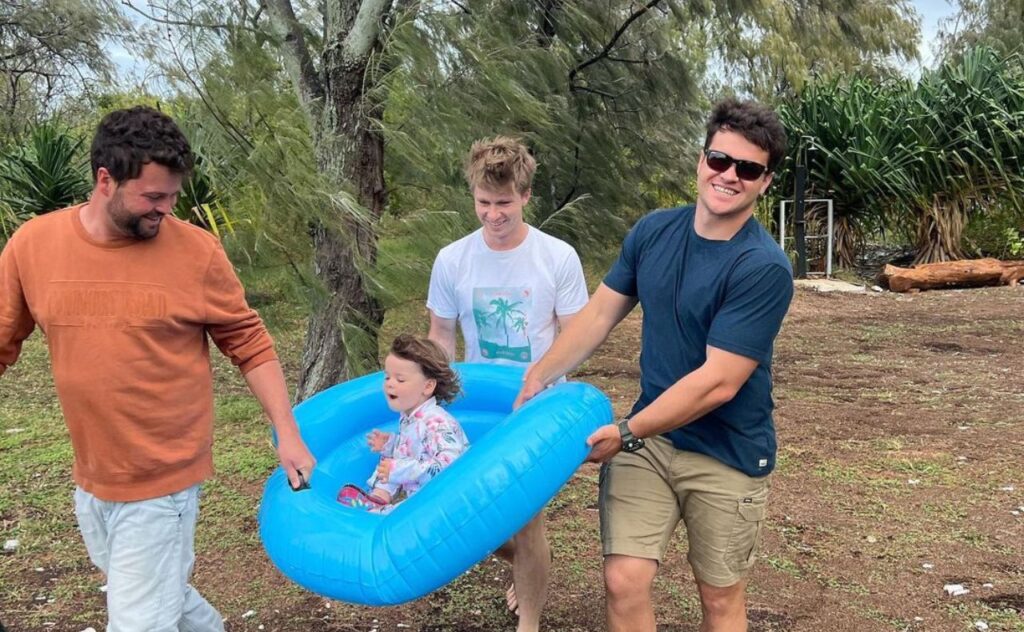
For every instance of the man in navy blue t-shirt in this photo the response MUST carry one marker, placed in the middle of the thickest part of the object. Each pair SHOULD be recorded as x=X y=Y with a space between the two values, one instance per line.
x=699 y=444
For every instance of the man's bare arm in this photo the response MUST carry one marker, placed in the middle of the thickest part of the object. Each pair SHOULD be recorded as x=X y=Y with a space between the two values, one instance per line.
x=442 y=331
x=583 y=333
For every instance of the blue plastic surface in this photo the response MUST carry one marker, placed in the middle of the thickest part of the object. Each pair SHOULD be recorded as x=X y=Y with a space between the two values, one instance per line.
x=516 y=463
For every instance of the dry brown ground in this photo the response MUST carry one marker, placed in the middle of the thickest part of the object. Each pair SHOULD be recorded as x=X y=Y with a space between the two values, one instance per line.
x=900 y=422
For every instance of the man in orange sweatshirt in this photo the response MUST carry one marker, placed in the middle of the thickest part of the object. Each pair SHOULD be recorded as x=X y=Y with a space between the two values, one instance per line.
x=129 y=297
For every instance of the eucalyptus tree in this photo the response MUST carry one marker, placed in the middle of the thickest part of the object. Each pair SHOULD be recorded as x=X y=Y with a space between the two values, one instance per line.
x=50 y=51
x=779 y=45
x=606 y=96
x=993 y=23
x=609 y=95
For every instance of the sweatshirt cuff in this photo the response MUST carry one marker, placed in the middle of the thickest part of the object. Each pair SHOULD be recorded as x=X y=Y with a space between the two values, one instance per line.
x=268 y=355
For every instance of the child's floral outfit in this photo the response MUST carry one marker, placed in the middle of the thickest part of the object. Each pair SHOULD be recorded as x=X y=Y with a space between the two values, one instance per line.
x=428 y=440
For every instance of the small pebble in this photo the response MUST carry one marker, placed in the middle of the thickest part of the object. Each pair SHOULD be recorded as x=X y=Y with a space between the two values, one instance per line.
x=955 y=590
x=11 y=545
x=980 y=626
x=248 y=614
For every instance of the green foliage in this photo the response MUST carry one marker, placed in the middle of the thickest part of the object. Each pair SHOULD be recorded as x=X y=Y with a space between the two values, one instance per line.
x=779 y=45
x=50 y=55
x=1014 y=242
x=605 y=96
x=46 y=174
x=199 y=204
x=893 y=153
x=992 y=23
x=996 y=231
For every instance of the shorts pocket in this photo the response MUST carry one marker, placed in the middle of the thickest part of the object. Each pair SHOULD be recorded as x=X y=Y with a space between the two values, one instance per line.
x=746 y=533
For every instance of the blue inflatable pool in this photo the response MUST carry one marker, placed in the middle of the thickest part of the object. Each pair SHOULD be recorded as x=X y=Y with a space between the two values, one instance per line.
x=517 y=461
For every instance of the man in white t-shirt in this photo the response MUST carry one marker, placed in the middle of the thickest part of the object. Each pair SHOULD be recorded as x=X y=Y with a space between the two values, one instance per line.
x=510 y=287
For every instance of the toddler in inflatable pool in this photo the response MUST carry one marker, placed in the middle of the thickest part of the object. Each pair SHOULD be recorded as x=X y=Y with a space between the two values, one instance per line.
x=417 y=379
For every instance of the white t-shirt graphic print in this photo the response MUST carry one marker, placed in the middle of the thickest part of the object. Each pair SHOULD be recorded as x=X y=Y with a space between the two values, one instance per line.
x=507 y=302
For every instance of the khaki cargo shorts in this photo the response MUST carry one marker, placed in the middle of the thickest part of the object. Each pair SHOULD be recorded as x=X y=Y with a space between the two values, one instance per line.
x=645 y=494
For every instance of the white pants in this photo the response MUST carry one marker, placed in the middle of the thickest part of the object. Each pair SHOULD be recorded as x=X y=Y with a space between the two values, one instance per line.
x=145 y=549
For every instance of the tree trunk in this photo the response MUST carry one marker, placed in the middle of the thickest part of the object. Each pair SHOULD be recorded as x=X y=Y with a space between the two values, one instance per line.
x=969 y=273
x=339 y=100
x=939 y=232
x=341 y=340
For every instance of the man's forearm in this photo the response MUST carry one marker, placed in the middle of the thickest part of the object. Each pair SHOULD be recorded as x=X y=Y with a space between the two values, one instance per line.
x=696 y=394
x=574 y=344
x=268 y=385
x=443 y=336
x=689 y=399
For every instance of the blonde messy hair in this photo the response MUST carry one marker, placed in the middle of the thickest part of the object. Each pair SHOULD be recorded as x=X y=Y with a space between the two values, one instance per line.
x=499 y=161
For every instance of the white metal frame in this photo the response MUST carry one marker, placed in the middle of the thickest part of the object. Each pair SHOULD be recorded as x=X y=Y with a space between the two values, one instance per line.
x=828 y=247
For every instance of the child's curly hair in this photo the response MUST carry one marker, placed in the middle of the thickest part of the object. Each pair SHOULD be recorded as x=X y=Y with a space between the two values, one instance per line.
x=433 y=361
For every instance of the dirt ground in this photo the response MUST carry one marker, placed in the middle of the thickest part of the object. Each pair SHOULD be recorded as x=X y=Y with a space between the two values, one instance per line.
x=901 y=433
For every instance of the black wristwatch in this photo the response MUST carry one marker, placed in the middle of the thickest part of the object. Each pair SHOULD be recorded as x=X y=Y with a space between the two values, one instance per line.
x=629 y=442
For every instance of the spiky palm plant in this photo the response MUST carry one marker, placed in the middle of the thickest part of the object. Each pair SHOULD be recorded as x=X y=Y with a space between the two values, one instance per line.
x=199 y=204
x=46 y=174
x=893 y=153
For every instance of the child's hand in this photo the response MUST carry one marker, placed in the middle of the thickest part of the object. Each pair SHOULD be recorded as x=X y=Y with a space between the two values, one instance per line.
x=377 y=439
x=384 y=470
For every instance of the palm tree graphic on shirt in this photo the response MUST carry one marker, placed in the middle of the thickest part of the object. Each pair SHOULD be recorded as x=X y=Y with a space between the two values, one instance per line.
x=505 y=313
x=502 y=317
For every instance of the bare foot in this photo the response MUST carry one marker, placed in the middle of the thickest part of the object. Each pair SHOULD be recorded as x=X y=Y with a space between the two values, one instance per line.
x=511 y=601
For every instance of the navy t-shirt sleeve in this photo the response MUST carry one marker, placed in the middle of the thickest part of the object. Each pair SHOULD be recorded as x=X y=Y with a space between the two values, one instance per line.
x=751 y=315
x=622 y=275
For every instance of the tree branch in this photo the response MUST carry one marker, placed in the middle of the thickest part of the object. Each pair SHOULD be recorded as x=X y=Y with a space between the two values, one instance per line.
x=614 y=40
x=297 y=61
x=607 y=95
x=366 y=29
x=171 y=22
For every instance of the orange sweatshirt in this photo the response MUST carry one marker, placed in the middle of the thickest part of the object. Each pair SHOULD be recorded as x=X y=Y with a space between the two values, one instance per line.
x=126 y=324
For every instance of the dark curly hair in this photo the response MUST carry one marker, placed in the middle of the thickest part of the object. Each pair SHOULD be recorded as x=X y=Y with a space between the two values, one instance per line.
x=433 y=361
x=758 y=123
x=128 y=139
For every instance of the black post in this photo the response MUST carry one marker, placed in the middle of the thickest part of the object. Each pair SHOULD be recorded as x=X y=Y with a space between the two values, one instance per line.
x=798 y=221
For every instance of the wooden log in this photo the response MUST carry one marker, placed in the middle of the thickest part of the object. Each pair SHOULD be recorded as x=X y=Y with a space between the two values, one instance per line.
x=947 y=274
x=1013 y=272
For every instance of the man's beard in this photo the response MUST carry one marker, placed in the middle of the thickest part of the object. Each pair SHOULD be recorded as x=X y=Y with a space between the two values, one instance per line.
x=129 y=224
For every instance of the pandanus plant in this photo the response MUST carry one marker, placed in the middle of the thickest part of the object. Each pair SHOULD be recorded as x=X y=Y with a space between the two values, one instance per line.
x=45 y=174
x=892 y=153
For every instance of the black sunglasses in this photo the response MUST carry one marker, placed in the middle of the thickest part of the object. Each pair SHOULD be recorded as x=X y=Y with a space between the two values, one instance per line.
x=745 y=169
